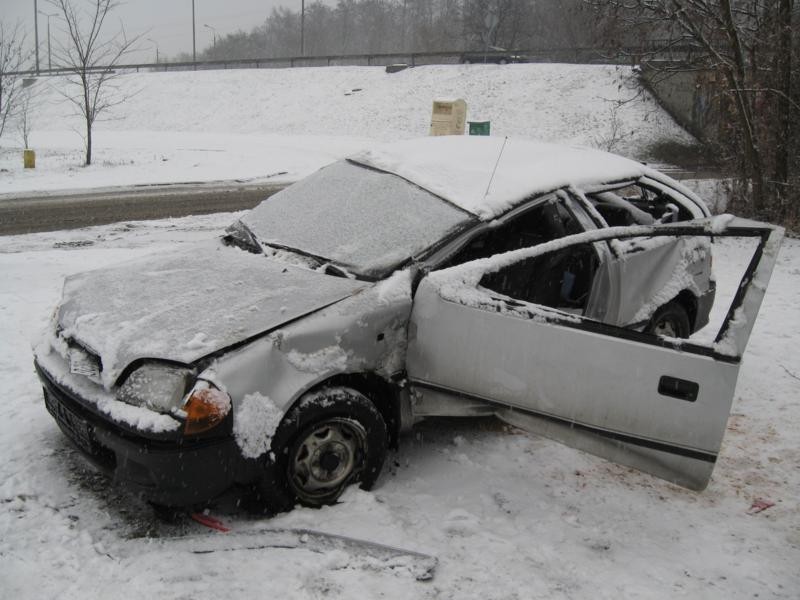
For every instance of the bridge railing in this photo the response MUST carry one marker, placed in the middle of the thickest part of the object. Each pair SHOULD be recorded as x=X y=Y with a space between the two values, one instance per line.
x=579 y=55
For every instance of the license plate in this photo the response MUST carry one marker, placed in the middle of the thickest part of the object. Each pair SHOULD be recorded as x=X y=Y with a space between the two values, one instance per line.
x=76 y=428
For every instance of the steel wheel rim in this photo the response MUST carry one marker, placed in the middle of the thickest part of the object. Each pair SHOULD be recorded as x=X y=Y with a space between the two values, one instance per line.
x=667 y=328
x=325 y=459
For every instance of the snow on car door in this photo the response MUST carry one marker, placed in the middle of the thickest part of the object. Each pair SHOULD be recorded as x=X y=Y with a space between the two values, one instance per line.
x=657 y=404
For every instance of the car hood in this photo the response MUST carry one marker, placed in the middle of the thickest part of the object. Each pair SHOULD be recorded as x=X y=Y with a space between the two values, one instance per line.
x=189 y=304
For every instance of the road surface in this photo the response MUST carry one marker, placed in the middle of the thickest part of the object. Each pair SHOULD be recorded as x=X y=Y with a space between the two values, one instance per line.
x=53 y=211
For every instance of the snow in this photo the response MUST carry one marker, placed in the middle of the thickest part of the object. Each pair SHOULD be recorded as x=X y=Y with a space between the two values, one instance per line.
x=487 y=176
x=395 y=288
x=508 y=514
x=255 y=421
x=138 y=417
x=359 y=218
x=153 y=307
x=252 y=125
x=332 y=358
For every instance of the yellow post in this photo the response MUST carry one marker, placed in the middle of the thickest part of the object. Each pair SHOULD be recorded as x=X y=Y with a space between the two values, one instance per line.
x=29 y=158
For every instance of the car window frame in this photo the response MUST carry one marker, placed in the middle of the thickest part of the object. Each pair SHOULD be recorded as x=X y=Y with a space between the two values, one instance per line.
x=598 y=249
x=762 y=232
x=433 y=260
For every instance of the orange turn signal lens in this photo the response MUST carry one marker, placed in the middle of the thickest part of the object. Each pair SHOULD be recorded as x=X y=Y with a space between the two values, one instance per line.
x=205 y=409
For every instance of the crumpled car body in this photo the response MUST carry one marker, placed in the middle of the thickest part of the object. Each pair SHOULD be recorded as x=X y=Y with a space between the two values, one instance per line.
x=438 y=277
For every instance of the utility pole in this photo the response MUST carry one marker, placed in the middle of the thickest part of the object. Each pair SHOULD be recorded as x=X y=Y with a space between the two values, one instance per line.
x=302 y=27
x=36 y=32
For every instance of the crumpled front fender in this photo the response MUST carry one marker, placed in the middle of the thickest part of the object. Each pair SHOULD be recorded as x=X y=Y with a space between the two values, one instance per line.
x=365 y=333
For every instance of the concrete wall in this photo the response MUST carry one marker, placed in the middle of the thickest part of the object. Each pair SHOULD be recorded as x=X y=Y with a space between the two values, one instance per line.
x=689 y=96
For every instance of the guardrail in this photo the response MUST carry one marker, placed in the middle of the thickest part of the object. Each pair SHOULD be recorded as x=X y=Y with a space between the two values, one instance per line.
x=578 y=55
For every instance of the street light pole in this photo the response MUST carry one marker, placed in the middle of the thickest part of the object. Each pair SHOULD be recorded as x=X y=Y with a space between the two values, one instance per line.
x=302 y=27
x=49 y=53
x=214 y=33
x=36 y=30
x=155 y=43
x=194 y=37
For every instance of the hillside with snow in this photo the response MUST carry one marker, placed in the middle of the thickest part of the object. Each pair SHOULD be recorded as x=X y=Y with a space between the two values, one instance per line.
x=285 y=123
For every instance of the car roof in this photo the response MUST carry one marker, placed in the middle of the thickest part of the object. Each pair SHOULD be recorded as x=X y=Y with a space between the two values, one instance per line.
x=488 y=176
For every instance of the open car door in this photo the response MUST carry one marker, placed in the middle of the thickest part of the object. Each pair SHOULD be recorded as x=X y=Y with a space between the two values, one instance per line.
x=657 y=404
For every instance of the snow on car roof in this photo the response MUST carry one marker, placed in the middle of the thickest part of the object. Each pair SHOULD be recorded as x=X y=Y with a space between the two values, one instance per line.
x=459 y=168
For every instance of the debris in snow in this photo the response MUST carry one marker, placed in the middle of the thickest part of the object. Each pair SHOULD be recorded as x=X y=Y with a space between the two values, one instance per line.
x=255 y=421
x=759 y=505
x=341 y=552
x=209 y=521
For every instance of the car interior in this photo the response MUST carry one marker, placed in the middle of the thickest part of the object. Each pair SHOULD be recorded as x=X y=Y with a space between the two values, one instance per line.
x=545 y=222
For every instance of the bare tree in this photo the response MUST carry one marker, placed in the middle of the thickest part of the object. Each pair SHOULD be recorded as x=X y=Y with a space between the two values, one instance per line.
x=92 y=60
x=25 y=117
x=750 y=44
x=12 y=57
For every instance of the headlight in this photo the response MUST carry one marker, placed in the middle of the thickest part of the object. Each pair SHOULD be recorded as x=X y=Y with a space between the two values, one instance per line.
x=158 y=387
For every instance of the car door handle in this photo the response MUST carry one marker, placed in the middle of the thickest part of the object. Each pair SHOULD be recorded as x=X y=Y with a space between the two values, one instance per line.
x=678 y=388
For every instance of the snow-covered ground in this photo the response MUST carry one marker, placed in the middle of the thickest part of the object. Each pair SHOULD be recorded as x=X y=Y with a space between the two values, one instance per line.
x=509 y=515
x=282 y=124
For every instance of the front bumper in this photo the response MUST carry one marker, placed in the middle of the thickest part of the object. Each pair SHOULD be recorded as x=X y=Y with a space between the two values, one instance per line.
x=171 y=472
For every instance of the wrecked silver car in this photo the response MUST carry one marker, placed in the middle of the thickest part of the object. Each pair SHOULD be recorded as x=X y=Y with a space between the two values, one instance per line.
x=445 y=276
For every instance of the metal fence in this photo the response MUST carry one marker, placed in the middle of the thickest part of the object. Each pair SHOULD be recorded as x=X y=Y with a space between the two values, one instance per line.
x=585 y=55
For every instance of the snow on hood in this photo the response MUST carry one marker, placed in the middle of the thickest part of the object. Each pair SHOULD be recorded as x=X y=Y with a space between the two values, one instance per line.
x=459 y=168
x=188 y=304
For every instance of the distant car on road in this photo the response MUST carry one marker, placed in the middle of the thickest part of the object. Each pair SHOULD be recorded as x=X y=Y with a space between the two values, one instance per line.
x=494 y=54
x=449 y=276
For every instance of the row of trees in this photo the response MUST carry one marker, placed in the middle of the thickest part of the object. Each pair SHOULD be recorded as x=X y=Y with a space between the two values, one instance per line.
x=385 y=26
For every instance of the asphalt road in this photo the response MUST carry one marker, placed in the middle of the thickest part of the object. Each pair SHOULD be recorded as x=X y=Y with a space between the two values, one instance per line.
x=71 y=210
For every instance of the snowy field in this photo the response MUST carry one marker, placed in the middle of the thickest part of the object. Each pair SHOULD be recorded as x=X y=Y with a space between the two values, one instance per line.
x=509 y=515
x=255 y=125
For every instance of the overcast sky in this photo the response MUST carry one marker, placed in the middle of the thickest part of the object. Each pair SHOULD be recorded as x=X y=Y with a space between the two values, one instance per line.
x=167 y=23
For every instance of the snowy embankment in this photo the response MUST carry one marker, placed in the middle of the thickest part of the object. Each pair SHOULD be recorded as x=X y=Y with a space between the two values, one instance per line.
x=508 y=514
x=281 y=124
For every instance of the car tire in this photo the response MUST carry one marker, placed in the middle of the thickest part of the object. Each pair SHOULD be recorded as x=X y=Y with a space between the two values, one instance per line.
x=332 y=438
x=670 y=320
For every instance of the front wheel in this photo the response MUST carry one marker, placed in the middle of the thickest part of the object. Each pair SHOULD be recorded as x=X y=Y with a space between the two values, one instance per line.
x=671 y=320
x=331 y=439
